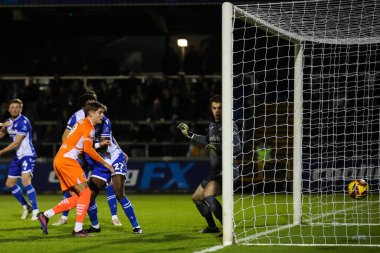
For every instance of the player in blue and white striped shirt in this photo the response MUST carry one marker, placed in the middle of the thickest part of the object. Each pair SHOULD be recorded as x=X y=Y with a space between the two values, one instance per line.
x=108 y=148
x=22 y=166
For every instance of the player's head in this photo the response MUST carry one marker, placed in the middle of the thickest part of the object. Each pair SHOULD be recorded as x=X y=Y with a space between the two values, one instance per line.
x=95 y=111
x=15 y=107
x=87 y=96
x=216 y=107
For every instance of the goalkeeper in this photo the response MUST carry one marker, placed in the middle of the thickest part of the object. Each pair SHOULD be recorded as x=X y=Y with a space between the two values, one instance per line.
x=204 y=196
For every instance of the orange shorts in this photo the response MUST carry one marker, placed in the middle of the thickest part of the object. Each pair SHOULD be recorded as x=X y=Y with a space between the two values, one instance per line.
x=68 y=171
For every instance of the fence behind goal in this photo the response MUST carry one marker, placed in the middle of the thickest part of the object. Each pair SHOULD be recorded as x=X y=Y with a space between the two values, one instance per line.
x=301 y=80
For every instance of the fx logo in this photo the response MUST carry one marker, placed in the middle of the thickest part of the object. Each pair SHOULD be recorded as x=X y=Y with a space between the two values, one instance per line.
x=162 y=170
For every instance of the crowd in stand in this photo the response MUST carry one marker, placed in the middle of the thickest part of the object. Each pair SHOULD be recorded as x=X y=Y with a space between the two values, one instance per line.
x=143 y=109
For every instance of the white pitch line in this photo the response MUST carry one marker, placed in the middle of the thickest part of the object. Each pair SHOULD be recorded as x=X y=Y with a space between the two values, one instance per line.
x=212 y=249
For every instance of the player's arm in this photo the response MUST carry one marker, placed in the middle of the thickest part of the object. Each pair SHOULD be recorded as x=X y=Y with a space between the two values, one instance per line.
x=91 y=152
x=3 y=132
x=105 y=135
x=103 y=141
x=201 y=139
x=3 y=128
x=101 y=146
x=65 y=134
x=70 y=124
x=15 y=144
x=125 y=154
x=88 y=135
x=5 y=124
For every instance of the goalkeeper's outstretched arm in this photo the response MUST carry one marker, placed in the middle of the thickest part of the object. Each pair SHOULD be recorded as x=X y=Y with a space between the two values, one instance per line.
x=201 y=139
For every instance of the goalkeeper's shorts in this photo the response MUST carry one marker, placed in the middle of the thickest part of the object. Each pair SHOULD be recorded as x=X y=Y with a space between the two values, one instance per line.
x=211 y=177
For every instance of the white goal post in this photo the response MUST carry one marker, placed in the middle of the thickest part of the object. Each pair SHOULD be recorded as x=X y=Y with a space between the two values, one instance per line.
x=301 y=80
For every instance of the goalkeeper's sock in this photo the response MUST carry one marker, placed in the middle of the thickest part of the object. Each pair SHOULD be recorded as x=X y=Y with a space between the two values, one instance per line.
x=93 y=213
x=17 y=193
x=205 y=211
x=215 y=207
x=32 y=196
x=129 y=212
x=66 y=195
x=111 y=198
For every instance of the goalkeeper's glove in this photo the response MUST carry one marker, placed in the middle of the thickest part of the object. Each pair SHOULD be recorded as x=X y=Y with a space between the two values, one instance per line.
x=211 y=147
x=185 y=130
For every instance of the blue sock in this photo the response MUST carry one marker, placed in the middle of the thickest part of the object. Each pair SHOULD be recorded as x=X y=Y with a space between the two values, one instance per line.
x=32 y=196
x=111 y=198
x=66 y=195
x=93 y=213
x=17 y=192
x=129 y=212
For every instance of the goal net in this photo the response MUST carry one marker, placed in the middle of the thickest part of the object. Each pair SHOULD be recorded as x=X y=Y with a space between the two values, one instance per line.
x=305 y=94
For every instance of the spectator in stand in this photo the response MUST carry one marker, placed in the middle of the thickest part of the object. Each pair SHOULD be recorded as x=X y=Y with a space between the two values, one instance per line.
x=172 y=134
x=47 y=104
x=135 y=109
x=153 y=135
x=155 y=113
x=136 y=136
x=166 y=104
x=193 y=109
x=177 y=111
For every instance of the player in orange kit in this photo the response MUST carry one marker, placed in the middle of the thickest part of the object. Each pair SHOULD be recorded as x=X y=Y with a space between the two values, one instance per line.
x=69 y=171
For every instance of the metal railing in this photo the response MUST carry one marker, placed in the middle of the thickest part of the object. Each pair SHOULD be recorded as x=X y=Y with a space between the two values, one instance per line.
x=143 y=77
x=134 y=149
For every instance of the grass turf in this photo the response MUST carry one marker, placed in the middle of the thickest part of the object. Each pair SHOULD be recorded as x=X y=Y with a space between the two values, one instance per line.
x=170 y=224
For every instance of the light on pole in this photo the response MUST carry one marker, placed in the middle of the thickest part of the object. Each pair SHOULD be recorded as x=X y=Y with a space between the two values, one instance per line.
x=182 y=43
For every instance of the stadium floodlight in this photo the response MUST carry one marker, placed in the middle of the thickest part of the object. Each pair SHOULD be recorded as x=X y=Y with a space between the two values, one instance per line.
x=301 y=81
x=182 y=43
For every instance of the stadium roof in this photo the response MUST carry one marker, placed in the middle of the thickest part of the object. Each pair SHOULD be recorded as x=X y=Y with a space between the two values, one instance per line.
x=109 y=20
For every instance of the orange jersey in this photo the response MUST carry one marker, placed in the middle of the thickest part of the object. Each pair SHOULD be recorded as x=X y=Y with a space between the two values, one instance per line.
x=78 y=141
x=73 y=145
x=80 y=137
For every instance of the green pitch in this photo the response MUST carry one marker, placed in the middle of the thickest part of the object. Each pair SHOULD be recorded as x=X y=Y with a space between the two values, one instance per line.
x=326 y=219
x=170 y=224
